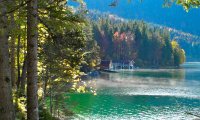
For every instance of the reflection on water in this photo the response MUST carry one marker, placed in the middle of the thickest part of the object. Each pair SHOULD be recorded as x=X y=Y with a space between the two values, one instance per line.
x=143 y=77
x=155 y=73
x=142 y=94
x=192 y=70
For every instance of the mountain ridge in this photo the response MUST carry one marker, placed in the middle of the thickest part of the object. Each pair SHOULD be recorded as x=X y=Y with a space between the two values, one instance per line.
x=175 y=34
x=189 y=42
x=152 y=11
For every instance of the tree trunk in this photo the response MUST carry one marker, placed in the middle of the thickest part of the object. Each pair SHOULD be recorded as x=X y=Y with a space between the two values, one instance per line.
x=13 y=70
x=45 y=83
x=18 y=51
x=23 y=77
x=18 y=61
x=32 y=37
x=6 y=104
x=51 y=99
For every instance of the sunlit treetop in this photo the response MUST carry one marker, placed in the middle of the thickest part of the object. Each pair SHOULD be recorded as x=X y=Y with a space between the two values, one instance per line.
x=187 y=4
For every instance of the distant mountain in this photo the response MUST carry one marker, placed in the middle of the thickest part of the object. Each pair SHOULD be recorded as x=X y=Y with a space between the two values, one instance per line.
x=175 y=34
x=189 y=42
x=152 y=11
x=179 y=35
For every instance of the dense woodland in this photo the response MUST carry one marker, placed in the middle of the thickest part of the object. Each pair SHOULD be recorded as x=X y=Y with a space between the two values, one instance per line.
x=190 y=44
x=135 y=40
x=48 y=45
x=44 y=45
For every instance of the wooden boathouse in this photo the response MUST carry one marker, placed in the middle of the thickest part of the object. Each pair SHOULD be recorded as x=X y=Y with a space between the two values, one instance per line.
x=116 y=65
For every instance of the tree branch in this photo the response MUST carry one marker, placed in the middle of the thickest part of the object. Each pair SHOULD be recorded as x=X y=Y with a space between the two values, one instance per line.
x=16 y=7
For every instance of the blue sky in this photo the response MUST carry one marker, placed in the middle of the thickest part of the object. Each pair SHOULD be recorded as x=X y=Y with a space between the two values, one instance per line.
x=152 y=11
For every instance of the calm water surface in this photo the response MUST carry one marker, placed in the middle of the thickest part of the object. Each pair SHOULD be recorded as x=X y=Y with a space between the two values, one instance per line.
x=143 y=94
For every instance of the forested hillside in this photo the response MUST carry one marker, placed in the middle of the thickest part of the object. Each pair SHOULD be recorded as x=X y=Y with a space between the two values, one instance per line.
x=46 y=46
x=135 y=40
x=189 y=42
x=151 y=11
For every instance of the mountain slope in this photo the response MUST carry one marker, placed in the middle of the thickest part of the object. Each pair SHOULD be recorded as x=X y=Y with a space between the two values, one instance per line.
x=152 y=11
x=189 y=42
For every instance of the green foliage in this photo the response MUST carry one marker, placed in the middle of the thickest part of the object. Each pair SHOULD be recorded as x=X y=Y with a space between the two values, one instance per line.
x=20 y=104
x=179 y=54
x=65 y=45
x=91 y=51
x=67 y=48
x=135 y=40
x=187 y=4
x=190 y=44
x=44 y=114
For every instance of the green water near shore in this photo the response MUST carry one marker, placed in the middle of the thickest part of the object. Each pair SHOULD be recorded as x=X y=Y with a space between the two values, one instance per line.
x=142 y=94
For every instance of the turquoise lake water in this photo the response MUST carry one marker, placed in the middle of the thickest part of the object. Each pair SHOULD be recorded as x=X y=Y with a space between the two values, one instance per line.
x=142 y=94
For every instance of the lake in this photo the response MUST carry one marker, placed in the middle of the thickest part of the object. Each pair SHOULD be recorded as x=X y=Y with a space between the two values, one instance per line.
x=146 y=94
